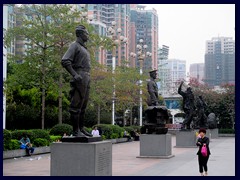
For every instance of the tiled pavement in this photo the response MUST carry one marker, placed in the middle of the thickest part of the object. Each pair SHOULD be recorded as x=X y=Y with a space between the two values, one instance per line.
x=126 y=163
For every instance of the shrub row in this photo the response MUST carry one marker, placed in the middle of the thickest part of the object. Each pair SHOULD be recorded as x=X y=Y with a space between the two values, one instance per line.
x=40 y=137
x=226 y=131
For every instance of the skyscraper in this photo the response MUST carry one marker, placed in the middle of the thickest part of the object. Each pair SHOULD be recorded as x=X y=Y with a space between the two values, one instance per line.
x=120 y=13
x=220 y=61
x=197 y=71
x=177 y=69
x=9 y=21
x=144 y=25
x=164 y=73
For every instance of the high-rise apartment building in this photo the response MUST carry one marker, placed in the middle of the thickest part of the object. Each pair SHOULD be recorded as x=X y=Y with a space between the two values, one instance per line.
x=164 y=73
x=220 y=61
x=9 y=20
x=197 y=71
x=144 y=25
x=106 y=14
x=177 y=69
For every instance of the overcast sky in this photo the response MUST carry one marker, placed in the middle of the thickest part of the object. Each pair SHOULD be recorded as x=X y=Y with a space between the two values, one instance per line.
x=186 y=27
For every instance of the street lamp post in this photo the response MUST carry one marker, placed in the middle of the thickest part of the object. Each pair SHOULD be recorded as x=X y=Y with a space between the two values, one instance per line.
x=115 y=37
x=84 y=13
x=141 y=53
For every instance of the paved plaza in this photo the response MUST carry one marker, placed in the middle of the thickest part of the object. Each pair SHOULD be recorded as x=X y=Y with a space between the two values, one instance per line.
x=126 y=163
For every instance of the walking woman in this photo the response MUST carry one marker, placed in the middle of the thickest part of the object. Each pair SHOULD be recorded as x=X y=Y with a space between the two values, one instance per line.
x=203 y=157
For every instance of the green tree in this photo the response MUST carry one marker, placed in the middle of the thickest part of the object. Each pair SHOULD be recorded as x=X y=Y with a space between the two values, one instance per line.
x=48 y=31
x=45 y=28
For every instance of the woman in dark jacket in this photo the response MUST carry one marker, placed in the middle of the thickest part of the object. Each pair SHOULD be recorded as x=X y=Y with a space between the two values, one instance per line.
x=202 y=160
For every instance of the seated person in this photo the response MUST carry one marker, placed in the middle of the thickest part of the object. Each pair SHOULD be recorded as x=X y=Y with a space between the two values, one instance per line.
x=126 y=135
x=26 y=144
x=95 y=132
x=135 y=135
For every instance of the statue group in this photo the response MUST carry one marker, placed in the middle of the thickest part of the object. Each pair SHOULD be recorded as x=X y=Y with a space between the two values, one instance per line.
x=195 y=111
x=76 y=61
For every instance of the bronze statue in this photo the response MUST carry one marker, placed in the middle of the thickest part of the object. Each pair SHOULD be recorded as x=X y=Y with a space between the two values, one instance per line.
x=76 y=61
x=153 y=89
x=188 y=105
x=201 y=119
x=156 y=116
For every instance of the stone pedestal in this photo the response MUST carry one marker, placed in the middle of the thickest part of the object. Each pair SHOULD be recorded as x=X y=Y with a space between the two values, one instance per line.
x=186 y=138
x=156 y=146
x=81 y=159
x=213 y=133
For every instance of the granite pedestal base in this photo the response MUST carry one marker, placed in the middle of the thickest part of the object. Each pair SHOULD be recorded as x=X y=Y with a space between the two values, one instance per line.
x=213 y=133
x=156 y=146
x=186 y=138
x=81 y=159
x=83 y=139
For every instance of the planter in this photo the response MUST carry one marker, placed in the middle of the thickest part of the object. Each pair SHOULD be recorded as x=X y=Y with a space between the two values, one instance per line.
x=22 y=152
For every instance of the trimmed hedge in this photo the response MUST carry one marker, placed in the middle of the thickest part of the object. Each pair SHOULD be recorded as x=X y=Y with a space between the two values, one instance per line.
x=110 y=131
x=117 y=130
x=226 y=131
x=40 y=142
x=106 y=130
x=60 y=129
x=18 y=134
x=40 y=133
x=55 y=138
x=128 y=128
x=14 y=144
x=6 y=138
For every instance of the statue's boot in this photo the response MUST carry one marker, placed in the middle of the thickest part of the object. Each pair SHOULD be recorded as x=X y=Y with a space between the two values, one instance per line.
x=85 y=132
x=75 y=121
x=81 y=126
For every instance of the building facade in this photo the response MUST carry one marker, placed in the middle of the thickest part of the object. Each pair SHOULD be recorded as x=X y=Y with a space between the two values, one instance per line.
x=144 y=25
x=9 y=20
x=164 y=73
x=197 y=71
x=106 y=14
x=177 y=70
x=220 y=61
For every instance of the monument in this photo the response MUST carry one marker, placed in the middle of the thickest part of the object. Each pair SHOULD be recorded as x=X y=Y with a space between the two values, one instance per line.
x=201 y=119
x=76 y=61
x=186 y=136
x=188 y=106
x=80 y=154
x=155 y=115
x=154 y=140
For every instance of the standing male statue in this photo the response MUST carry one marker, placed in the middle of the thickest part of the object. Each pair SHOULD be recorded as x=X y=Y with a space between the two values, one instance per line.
x=156 y=116
x=188 y=105
x=153 y=89
x=201 y=119
x=77 y=62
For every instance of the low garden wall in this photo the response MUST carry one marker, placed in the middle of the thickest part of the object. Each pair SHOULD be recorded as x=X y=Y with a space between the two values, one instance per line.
x=42 y=150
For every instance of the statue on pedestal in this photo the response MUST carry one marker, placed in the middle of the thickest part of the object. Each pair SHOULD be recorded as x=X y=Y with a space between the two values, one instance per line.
x=155 y=115
x=188 y=105
x=76 y=61
x=201 y=119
